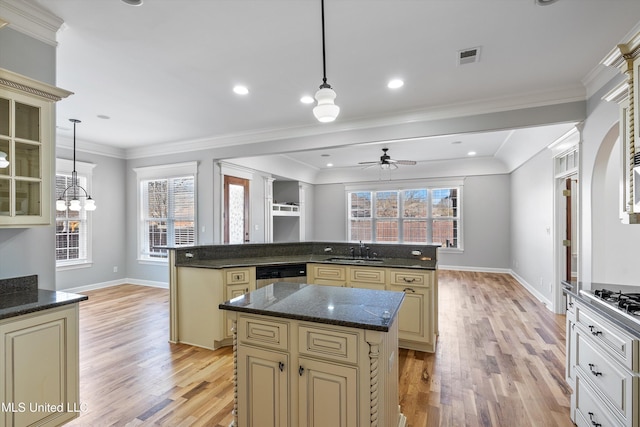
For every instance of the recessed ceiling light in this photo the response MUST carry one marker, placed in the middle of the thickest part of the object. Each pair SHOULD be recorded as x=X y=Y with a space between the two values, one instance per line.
x=329 y=165
x=133 y=2
x=240 y=90
x=471 y=153
x=306 y=99
x=395 y=84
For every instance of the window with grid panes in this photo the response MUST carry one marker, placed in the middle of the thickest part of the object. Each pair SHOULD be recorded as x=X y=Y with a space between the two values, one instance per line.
x=73 y=228
x=169 y=214
x=420 y=215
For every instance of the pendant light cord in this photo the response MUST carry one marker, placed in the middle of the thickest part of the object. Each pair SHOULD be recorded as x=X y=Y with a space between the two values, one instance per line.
x=324 y=60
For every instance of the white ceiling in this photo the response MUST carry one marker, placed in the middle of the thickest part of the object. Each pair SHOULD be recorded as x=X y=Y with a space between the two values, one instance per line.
x=164 y=71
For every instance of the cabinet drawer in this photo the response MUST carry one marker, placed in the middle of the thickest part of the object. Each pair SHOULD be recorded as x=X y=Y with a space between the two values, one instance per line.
x=330 y=272
x=409 y=277
x=368 y=275
x=256 y=331
x=609 y=335
x=328 y=344
x=238 y=276
x=590 y=410
x=610 y=379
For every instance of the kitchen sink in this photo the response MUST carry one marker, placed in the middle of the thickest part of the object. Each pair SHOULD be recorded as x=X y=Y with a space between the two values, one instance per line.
x=348 y=260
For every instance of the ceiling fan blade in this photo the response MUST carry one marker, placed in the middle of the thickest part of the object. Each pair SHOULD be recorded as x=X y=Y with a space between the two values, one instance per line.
x=405 y=162
x=368 y=163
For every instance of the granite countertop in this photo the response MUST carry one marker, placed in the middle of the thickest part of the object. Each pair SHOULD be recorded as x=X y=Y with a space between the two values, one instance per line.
x=351 y=307
x=20 y=295
x=303 y=259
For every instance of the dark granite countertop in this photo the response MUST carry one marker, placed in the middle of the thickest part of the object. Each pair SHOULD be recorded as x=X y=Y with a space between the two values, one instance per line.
x=351 y=307
x=276 y=260
x=573 y=289
x=20 y=295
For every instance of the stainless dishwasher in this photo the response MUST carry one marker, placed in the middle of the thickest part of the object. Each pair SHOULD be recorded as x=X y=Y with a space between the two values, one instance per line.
x=267 y=274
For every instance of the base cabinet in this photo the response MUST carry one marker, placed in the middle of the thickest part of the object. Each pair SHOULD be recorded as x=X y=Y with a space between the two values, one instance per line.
x=291 y=373
x=39 y=366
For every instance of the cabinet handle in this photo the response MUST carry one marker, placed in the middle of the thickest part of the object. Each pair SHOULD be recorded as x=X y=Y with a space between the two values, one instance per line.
x=300 y=370
x=246 y=290
x=409 y=279
x=596 y=332
x=593 y=371
x=408 y=289
x=281 y=366
x=595 y=424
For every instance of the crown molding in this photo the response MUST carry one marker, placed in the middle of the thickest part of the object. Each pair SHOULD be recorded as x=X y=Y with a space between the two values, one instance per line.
x=30 y=19
x=486 y=106
x=66 y=142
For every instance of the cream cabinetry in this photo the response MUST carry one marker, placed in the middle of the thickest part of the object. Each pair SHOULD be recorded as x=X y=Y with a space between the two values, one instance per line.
x=39 y=366
x=607 y=379
x=297 y=373
x=418 y=317
x=195 y=299
x=27 y=128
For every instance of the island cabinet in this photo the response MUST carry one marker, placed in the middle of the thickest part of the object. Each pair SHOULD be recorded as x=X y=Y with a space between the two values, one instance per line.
x=39 y=368
x=293 y=371
x=195 y=298
x=418 y=318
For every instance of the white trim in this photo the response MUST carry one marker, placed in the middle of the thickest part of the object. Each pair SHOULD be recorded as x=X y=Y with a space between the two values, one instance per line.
x=66 y=265
x=66 y=166
x=533 y=291
x=230 y=169
x=156 y=261
x=167 y=171
x=32 y=20
x=476 y=269
x=428 y=183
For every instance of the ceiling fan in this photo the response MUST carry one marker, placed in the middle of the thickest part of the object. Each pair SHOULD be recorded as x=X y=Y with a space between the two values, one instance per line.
x=386 y=162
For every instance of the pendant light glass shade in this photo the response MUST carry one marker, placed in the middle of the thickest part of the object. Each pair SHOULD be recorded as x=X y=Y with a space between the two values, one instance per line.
x=326 y=111
x=3 y=160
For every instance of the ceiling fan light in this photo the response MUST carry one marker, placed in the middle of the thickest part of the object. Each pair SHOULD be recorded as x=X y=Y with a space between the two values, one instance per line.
x=3 y=160
x=326 y=111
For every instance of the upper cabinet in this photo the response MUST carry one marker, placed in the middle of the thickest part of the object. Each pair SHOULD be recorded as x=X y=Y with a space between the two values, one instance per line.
x=626 y=57
x=27 y=131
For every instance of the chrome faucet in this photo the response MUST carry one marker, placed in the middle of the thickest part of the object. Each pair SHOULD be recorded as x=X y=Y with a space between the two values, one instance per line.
x=361 y=248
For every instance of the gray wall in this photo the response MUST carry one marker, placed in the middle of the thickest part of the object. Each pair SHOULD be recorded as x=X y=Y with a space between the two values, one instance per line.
x=486 y=205
x=30 y=250
x=108 y=224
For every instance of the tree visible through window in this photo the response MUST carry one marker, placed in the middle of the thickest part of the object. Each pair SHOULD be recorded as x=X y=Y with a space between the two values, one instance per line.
x=421 y=215
x=168 y=215
x=71 y=227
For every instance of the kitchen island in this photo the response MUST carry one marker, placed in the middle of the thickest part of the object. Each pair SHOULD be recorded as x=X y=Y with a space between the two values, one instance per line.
x=311 y=355
x=201 y=277
x=38 y=354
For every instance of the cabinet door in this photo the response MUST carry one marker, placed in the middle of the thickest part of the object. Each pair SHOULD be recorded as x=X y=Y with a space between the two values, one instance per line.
x=263 y=388
x=232 y=291
x=323 y=274
x=368 y=277
x=327 y=394
x=412 y=316
x=39 y=368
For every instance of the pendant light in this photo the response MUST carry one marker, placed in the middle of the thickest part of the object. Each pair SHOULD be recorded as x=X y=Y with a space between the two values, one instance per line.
x=73 y=190
x=326 y=111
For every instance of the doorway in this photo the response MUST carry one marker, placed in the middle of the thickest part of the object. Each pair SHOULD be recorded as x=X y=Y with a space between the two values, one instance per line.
x=236 y=210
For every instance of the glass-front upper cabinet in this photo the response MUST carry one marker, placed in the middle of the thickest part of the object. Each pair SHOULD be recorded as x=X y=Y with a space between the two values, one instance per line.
x=27 y=130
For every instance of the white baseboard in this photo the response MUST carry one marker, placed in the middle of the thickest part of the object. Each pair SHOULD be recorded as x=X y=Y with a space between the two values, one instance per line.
x=533 y=291
x=478 y=269
x=110 y=283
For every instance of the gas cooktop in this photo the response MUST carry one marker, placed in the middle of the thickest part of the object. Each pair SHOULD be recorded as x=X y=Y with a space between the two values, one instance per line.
x=624 y=300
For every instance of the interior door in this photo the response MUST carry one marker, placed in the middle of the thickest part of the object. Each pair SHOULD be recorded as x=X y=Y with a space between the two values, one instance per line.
x=571 y=236
x=236 y=210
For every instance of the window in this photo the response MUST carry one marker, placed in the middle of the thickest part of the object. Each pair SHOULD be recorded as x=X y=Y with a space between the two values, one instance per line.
x=167 y=209
x=414 y=215
x=73 y=228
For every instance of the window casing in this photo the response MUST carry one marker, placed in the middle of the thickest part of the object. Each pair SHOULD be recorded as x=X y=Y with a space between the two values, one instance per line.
x=167 y=206
x=73 y=229
x=414 y=214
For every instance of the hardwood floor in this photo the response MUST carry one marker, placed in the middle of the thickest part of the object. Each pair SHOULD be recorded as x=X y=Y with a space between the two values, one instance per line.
x=499 y=362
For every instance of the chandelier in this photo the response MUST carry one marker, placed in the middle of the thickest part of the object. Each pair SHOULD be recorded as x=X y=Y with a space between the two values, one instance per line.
x=75 y=191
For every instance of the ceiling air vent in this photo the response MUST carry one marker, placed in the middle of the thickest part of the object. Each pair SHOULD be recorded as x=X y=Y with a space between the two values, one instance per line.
x=468 y=56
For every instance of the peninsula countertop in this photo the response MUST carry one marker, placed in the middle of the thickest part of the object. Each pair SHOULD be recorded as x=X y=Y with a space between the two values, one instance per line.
x=21 y=295
x=351 y=307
